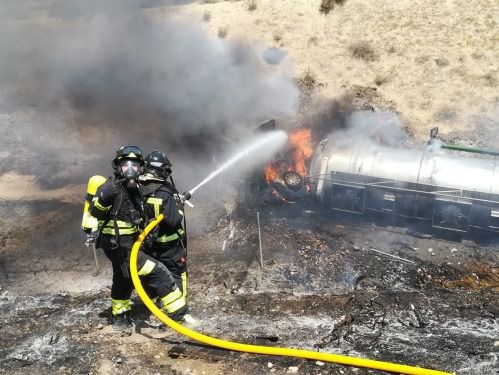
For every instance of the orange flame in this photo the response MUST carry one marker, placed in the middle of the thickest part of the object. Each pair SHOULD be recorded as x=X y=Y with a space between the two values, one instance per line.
x=300 y=141
x=271 y=172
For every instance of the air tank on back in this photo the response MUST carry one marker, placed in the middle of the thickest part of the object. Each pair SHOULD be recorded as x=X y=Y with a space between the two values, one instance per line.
x=451 y=190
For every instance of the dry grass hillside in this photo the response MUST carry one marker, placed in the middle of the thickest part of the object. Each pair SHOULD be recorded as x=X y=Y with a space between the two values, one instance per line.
x=434 y=62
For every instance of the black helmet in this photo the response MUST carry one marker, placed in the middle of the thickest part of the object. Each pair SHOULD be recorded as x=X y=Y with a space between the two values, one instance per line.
x=158 y=164
x=131 y=160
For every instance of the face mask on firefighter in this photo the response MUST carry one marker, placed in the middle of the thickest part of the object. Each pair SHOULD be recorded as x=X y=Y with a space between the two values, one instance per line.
x=129 y=168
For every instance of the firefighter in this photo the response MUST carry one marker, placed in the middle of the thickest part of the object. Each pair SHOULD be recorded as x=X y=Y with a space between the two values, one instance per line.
x=168 y=243
x=118 y=206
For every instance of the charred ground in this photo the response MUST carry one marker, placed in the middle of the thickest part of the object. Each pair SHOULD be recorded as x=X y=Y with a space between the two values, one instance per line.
x=321 y=288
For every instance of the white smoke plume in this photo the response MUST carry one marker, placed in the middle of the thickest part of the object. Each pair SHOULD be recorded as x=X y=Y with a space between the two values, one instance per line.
x=79 y=79
x=382 y=128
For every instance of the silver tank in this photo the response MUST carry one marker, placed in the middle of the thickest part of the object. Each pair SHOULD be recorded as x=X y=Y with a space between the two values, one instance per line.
x=427 y=165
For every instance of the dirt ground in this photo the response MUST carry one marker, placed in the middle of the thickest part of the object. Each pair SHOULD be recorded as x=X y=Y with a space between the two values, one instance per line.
x=323 y=286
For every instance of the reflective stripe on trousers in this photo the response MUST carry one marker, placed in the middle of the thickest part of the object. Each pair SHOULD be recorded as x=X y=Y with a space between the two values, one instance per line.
x=147 y=268
x=173 y=301
x=120 y=306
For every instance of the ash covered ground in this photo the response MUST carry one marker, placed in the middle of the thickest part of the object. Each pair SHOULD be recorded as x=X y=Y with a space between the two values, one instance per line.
x=322 y=288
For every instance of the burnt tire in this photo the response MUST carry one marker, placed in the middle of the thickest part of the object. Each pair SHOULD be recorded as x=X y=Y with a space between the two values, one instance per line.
x=293 y=180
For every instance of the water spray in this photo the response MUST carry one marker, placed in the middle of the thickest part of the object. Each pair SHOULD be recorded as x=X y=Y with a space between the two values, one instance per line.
x=269 y=142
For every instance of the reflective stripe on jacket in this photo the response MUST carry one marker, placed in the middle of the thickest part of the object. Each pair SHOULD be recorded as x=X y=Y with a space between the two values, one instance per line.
x=113 y=197
x=123 y=227
x=173 y=216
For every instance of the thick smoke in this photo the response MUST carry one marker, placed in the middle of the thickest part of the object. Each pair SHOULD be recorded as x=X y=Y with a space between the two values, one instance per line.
x=327 y=116
x=382 y=128
x=86 y=77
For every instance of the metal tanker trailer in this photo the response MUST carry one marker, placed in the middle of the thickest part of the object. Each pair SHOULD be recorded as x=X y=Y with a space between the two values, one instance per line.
x=451 y=194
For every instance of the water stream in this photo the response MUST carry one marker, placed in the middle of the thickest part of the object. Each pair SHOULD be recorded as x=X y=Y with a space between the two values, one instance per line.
x=266 y=144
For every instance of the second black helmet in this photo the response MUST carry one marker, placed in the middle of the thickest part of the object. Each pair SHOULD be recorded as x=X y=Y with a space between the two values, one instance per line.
x=158 y=164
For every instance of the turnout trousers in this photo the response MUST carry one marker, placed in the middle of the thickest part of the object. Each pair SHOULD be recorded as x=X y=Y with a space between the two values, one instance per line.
x=154 y=275
x=174 y=257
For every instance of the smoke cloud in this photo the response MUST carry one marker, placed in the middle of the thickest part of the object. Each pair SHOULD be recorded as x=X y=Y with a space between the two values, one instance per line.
x=382 y=128
x=79 y=79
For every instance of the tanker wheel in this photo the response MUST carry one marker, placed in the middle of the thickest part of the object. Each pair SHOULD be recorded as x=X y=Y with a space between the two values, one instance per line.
x=293 y=180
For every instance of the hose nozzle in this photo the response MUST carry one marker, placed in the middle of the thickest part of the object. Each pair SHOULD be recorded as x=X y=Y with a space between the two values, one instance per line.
x=184 y=198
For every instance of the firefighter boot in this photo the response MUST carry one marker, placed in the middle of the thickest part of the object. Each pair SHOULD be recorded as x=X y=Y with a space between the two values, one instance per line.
x=190 y=322
x=153 y=321
x=121 y=322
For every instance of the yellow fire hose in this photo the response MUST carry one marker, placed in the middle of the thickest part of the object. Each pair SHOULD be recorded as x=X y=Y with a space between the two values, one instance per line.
x=269 y=350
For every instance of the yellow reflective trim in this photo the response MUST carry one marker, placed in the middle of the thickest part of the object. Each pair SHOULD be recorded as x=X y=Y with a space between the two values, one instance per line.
x=156 y=203
x=119 y=227
x=120 y=306
x=166 y=238
x=147 y=268
x=153 y=200
x=120 y=224
x=123 y=227
x=108 y=230
x=100 y=206
x=171 y=237
x=170 y=297
x=183 y=276
x=175 y=305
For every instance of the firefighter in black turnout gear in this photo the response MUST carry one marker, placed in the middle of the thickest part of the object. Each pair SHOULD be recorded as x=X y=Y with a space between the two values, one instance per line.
x=168 y=242
x=118 y=206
